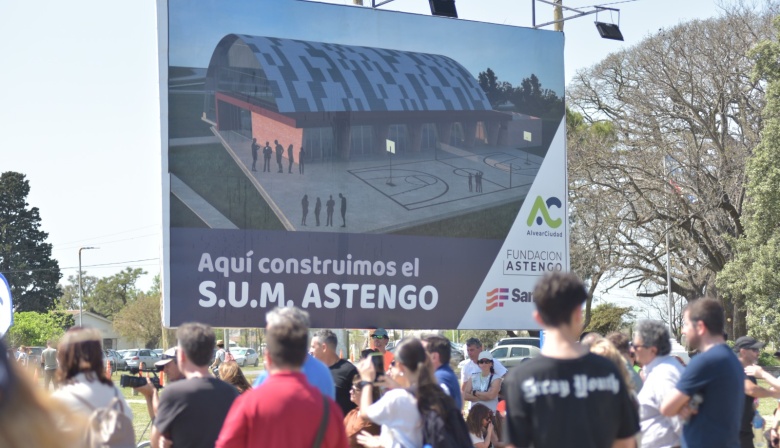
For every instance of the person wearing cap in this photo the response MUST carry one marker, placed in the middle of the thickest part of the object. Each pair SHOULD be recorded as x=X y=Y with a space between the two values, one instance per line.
x=473 y=349
x=710 y=393
x=379 y=341
x=219 y=357
x=747 y=350
x=483 y=387
x=567 y=384
x=167 y=365
x=192 y=410
x=761 y=374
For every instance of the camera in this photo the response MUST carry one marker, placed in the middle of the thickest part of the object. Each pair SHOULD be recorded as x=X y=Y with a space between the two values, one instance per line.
x=139 y=381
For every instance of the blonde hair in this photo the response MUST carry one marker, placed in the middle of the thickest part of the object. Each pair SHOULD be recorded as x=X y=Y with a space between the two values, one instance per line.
x=605 y=348
x=231 y=373
x=31 y=418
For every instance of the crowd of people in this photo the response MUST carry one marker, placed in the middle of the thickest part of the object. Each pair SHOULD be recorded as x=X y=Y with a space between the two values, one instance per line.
x=582 y=391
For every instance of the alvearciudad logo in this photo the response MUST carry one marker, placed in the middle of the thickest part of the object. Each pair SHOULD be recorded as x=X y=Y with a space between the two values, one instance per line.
x=542 y=207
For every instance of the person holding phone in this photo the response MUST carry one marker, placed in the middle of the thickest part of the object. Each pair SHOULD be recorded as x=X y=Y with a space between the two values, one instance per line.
x=396 y=411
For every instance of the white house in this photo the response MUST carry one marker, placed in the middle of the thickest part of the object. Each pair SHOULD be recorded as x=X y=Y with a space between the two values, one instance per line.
x=110 y=338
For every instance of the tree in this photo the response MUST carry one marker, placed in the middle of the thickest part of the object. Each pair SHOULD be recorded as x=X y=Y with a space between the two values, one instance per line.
x=686 y=118
x=755 y=271
x=33 y=328
x=69 y=300
x=141 y=321
x=608 y=317
x=25 y=256
x=113 y=293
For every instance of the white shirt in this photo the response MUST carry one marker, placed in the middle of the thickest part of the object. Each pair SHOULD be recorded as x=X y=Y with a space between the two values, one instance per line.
x=94 y=392
x=471 y=368
x=483 y=384
x=661 y=376
x=401 y=423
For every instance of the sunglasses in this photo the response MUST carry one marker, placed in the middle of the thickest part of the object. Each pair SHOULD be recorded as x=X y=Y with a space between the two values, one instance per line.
x=484 y=361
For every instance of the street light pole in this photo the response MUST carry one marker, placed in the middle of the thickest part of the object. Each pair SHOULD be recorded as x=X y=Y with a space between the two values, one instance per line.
x=81 y=299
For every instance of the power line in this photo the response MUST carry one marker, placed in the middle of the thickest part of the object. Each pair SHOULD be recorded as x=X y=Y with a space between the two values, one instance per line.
x=118 y=263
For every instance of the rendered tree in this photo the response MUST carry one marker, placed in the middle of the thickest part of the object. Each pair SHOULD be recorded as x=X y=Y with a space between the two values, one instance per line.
x=686 y=116
x=755 y=271
x=25 y=256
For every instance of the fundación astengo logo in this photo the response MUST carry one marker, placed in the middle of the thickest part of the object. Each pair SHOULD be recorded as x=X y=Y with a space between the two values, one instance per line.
x=497 y=297
x=543 y=207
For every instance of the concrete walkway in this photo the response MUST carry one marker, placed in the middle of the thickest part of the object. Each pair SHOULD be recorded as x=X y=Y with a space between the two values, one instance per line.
x=205 y=211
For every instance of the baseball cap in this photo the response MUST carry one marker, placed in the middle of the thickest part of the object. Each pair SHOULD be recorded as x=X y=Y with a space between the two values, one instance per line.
x=380 y=332
x=168 y=356
x=485 y=355
x=747 y=342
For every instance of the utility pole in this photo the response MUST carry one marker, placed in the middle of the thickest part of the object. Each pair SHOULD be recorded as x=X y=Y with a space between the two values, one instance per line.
x=558 y=15
x=81 y=298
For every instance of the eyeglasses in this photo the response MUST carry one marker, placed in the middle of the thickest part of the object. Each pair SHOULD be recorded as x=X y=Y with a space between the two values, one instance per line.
x=355 y=388
x=638 y=345
x=484 y=361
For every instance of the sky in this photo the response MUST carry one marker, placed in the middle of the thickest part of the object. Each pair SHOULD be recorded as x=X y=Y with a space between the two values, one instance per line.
x=80 y=108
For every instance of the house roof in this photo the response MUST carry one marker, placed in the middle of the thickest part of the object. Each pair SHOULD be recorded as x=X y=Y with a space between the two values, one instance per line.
x=305 y=76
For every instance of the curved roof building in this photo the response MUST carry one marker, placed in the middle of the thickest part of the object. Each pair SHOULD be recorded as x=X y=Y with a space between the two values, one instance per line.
x=313 y=84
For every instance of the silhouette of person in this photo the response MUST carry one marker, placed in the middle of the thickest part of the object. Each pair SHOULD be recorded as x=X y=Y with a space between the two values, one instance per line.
x=305 y=207
x=317 y=208
x=329 y=206
x=267 y=151
x=301 y=153
x=479 y=181
x=279 y=153
x=290 y=158
x=255 y=148
x=343 y=210
x=469 y=182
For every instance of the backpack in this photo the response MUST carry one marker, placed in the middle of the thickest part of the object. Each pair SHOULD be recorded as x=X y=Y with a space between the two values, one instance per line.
x=229 y=356
x=445 y=431
x=109 y=427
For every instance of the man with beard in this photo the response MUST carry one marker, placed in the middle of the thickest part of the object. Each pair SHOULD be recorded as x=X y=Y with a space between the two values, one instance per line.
x=710 y=392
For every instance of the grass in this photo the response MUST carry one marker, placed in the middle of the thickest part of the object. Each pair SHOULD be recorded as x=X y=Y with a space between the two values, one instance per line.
x=492 y=223
x=214 y=175
x=185 y=111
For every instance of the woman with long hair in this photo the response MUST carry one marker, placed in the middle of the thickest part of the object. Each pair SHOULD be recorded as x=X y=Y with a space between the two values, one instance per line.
x=29 y=418
x=354 y=423
x=605 y=348
x=231 y=373
x=414 y=392
x=481 y=428
x=81 y=374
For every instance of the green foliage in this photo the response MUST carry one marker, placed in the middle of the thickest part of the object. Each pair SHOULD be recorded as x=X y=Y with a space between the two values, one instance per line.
x=767 y=359
x=69 y=300
x=755 y=271
x=34 y=329
x=141 y=321
x=488 y=338
x=25 y=257
x=112 y=294
x=529 y=98
x=608 y=317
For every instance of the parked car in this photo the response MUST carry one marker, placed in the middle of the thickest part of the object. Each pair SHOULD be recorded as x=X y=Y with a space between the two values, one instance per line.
x=245 y=356
x=536 y=342
x=512 y=355
x=159 y=351
x=134 y=357
x=34 y=356
x=115 y=359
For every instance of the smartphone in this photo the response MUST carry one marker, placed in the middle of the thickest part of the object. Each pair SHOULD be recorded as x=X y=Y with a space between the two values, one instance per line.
x=379 y=364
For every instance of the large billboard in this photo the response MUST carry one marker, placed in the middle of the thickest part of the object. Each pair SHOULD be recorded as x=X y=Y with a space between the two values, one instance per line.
x=376 y=168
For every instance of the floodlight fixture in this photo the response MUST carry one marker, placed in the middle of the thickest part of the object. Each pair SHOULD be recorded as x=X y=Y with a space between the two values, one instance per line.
x=609 y=31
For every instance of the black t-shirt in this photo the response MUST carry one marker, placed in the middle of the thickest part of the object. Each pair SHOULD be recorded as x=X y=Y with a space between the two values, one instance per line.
x=746 y=427
x=192 y=411
x=586 y=396
x=343 y=373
